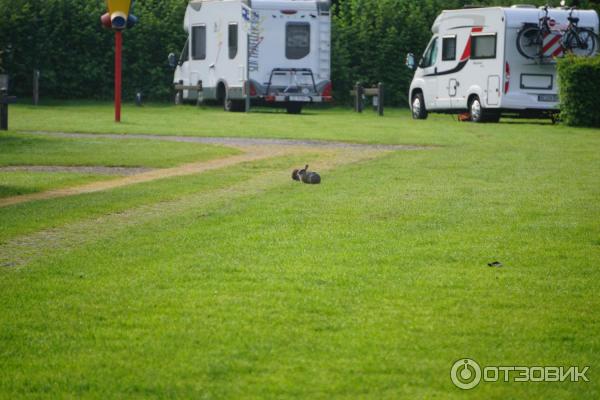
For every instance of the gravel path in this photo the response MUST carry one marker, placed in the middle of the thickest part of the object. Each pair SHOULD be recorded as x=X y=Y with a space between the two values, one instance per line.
x=239 y=142
x=98 y=170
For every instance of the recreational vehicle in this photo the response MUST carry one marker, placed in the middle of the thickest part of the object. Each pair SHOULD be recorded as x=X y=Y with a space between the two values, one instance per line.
x=497 y=61
x=273 y=52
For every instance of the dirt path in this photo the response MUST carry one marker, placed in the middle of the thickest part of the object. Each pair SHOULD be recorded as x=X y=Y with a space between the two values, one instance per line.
x=253 y=154
x=254 y=149
x=25 y=249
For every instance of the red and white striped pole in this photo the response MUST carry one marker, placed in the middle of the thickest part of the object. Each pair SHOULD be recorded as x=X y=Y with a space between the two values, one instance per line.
x=118 y=69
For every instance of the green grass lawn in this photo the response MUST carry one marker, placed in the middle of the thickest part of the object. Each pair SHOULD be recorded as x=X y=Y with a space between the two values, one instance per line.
x=18 y=183
x=335 y=124
x=240 y=283
x=52 y=151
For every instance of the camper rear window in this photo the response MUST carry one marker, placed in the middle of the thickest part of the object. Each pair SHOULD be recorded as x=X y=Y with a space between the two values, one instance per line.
x=449 y=48
x=297 y=40
x=483 y=47
x=233 y=40
x=198 y=42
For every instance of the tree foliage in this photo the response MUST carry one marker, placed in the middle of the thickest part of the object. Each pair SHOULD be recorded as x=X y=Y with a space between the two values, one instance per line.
x=65 y=41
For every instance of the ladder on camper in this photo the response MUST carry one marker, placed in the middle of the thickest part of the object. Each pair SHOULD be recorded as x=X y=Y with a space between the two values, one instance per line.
x=324 y=48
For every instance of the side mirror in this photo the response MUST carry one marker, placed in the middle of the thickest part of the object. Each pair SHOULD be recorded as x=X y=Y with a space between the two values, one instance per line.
x=172 y=60
x=411 y=62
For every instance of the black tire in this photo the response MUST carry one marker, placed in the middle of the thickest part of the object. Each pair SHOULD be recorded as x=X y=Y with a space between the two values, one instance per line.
x=492 y=116
x=234 y=105
x=294 y=108
x=479 y=114
x=529 y=42
x=582 y=44
x=417 y=106
x=178 y=99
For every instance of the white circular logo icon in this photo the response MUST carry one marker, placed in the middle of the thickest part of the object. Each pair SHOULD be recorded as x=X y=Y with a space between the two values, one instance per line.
x=466 y=374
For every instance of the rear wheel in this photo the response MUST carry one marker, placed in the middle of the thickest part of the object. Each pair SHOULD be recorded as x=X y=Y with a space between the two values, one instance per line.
x=480 y=114
x=418 y=107
x=529 y=42
x=294 y=108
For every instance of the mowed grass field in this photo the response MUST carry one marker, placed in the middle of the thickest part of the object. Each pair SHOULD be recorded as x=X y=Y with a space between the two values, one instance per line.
x=239 y=283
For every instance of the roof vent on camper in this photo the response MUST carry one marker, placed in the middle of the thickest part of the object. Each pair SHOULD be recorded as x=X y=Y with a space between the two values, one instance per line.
x=523 y=6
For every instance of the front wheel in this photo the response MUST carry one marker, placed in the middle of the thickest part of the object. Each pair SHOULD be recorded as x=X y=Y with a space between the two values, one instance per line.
x=418 y=107
x=582 y=43
x=178 y=98
x=234 y=105
x=529 y=42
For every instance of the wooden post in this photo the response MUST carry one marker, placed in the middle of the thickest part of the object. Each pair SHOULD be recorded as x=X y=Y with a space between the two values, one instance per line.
x=380 y=100
x=3 y=116
x=358 y=105
x=36 y=87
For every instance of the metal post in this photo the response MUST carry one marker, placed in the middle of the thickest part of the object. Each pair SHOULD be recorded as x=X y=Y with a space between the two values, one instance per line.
x=118 y=68
x=247 y=89
x=380 y=103
x=36 y=87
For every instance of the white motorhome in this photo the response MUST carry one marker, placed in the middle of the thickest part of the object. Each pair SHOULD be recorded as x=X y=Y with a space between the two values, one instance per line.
x=274 y=52
x=473 y=64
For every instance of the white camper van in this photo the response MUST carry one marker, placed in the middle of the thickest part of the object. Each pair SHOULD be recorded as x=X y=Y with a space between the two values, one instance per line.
x=495 y=61
x=273 y=52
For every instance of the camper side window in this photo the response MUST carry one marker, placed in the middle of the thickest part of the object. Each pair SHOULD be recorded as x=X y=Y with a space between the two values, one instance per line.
x=430 y=56
x=198 y=42
x=297 y=40
x=483 y=47
x=233 y=40
x=449 y=48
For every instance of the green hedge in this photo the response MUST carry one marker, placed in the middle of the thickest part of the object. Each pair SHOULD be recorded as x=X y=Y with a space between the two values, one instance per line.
x=580 y=90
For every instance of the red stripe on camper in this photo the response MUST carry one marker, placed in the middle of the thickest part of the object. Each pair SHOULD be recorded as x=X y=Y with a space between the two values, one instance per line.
x=467 y=53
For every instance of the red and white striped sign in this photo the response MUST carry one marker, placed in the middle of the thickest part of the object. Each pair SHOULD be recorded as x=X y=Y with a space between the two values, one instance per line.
x=552 y=47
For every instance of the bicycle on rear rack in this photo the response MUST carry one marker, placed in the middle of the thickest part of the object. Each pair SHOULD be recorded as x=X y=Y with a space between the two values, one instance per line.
x=539 y=42
x=531 y=38
x=579 y=41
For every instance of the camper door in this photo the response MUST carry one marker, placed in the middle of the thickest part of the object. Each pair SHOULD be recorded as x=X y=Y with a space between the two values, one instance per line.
x=448 y=84
x=429 y=67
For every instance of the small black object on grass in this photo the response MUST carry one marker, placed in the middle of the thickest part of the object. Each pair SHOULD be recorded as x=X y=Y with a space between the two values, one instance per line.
x=305 y=176
x=496 y=264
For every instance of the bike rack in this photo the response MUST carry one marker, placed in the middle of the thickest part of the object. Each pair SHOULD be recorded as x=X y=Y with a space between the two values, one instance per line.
x=292 y=70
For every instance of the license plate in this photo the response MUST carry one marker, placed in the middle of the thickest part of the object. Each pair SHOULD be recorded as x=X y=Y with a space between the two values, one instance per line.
x=548 y=98
x=300 y=98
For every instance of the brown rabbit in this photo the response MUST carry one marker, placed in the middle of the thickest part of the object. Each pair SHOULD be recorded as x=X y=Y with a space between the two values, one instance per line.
x=305 y=176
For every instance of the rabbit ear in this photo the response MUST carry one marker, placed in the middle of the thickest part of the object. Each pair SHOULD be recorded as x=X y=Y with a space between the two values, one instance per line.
x=306 y=168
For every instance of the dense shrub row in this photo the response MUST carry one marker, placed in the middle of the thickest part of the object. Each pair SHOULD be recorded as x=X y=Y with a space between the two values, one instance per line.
x=579 y=90
x=64 y=39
